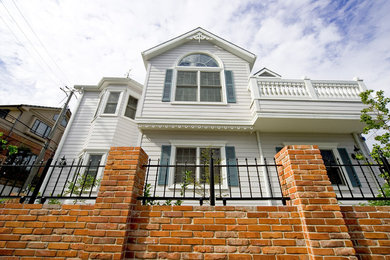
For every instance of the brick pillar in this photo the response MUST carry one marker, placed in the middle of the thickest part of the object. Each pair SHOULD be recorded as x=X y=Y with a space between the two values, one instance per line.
x=122 y=182
x=304 y=179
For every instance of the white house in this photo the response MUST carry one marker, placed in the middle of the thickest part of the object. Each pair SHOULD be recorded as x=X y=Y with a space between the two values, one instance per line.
x=201 y=95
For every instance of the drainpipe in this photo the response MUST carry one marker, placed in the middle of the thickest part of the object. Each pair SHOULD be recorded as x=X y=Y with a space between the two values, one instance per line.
x=266 y=177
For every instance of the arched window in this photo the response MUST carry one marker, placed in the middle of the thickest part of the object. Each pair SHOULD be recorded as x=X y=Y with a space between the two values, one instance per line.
x=198 y=79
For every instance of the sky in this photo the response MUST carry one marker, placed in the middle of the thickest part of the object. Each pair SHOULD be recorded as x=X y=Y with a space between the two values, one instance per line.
x=46 y=45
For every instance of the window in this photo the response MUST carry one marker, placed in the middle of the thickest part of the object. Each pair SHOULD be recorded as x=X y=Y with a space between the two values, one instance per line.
x=198 y=79
x=41 y=129
x=191 y=156
x=93 y=163
x=112 y=103
x=332 y=169
x=338 y=164
x=64 y=122
x=131 y=107
x=4 y=113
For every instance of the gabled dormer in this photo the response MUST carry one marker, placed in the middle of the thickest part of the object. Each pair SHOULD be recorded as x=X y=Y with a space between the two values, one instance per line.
x=266 y=73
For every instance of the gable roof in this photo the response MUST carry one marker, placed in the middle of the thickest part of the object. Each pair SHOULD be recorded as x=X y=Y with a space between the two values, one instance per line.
x=199 y=34
x=264 y=72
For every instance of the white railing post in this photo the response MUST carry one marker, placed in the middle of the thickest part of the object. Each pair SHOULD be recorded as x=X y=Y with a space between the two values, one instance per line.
x=361 y=84
x=254 y=88
x=309 y=88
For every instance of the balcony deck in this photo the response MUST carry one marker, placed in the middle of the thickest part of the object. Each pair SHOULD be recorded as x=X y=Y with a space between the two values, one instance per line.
x=306 y=105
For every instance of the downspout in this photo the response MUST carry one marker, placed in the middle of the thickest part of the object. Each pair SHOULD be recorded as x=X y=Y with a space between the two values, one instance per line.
x=266 y=177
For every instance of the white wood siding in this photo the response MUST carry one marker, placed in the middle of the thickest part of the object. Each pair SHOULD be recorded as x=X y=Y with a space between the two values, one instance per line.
x=80 y=127
x=155 y=108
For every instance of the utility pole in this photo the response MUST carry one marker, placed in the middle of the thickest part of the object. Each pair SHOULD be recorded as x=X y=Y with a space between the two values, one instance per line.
x=41 y=155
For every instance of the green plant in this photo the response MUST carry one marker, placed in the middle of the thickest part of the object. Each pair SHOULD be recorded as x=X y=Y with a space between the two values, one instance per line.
x=12 y=149
x=82 y=185
x=386 y=191
x=376 y=116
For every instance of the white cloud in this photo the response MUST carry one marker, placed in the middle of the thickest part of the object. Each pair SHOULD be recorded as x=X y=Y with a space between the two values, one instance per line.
x=92 y=39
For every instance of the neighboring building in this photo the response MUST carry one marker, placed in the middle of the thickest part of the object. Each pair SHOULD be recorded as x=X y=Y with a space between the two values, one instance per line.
x=28 y=126
x=199 y=96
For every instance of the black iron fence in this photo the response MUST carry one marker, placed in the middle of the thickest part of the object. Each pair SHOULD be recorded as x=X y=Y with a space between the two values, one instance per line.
x=53 y=182
x=238 y=180
x=361 y=180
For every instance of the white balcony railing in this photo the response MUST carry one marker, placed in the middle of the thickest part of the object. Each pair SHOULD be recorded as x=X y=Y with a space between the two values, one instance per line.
x=336 y=90
x=306 y=89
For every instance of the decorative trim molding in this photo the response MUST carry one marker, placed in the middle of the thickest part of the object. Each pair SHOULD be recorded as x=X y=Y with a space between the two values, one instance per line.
x=199 y=36
x=195 y=127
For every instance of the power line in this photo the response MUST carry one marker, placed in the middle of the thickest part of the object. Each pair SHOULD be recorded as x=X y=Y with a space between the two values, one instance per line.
x=54 y=79
x=28 y=39
x=39 y=40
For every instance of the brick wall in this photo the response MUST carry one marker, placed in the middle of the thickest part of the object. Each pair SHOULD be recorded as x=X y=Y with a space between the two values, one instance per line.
x=369 y=228
x=314 y=226
x=42 y=231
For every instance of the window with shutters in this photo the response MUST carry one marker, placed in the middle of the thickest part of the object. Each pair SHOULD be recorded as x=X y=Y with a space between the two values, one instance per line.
x=191 y=156
x=338 y=164
x=199 y=78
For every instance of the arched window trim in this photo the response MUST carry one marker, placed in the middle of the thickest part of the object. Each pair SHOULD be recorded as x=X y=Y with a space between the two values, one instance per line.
x=219 y=69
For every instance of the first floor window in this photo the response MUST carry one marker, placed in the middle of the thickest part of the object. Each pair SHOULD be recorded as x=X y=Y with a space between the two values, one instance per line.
x=131 y=107
x=194 y=165
x=93 y=164
x=112 y=103
x=41 y=129
x=332 y=168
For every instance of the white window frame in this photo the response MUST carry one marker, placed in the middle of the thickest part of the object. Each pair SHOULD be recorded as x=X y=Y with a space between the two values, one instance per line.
x=118 y=105
x=197 y=144
x=133 y=94
x=85 y=157
x=333 y=147
x=219 y=69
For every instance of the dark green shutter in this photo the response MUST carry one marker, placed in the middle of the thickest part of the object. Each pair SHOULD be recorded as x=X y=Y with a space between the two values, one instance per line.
x=231 y=161
x=165 y=160
x=167 y=86
x=230 y=93
x=350 y=170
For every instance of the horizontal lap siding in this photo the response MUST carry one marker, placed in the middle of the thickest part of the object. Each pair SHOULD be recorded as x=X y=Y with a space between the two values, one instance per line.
x=78 y=132
x=309 y=107
x=126 y=133
x=154 y=107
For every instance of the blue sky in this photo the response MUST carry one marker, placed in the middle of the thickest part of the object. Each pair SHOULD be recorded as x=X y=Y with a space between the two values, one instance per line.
x=45 y=45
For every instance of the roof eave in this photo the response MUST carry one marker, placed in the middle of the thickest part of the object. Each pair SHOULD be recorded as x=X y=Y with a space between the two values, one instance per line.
x=179 y=40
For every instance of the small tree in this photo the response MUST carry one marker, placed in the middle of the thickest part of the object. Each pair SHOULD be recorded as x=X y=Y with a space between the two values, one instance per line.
x=377 y=117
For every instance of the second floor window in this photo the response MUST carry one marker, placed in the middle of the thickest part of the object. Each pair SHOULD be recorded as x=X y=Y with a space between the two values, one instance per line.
x=198 y=79
x=131 y=107
x=64 y=122
x=112 y=103
x=41 y=129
